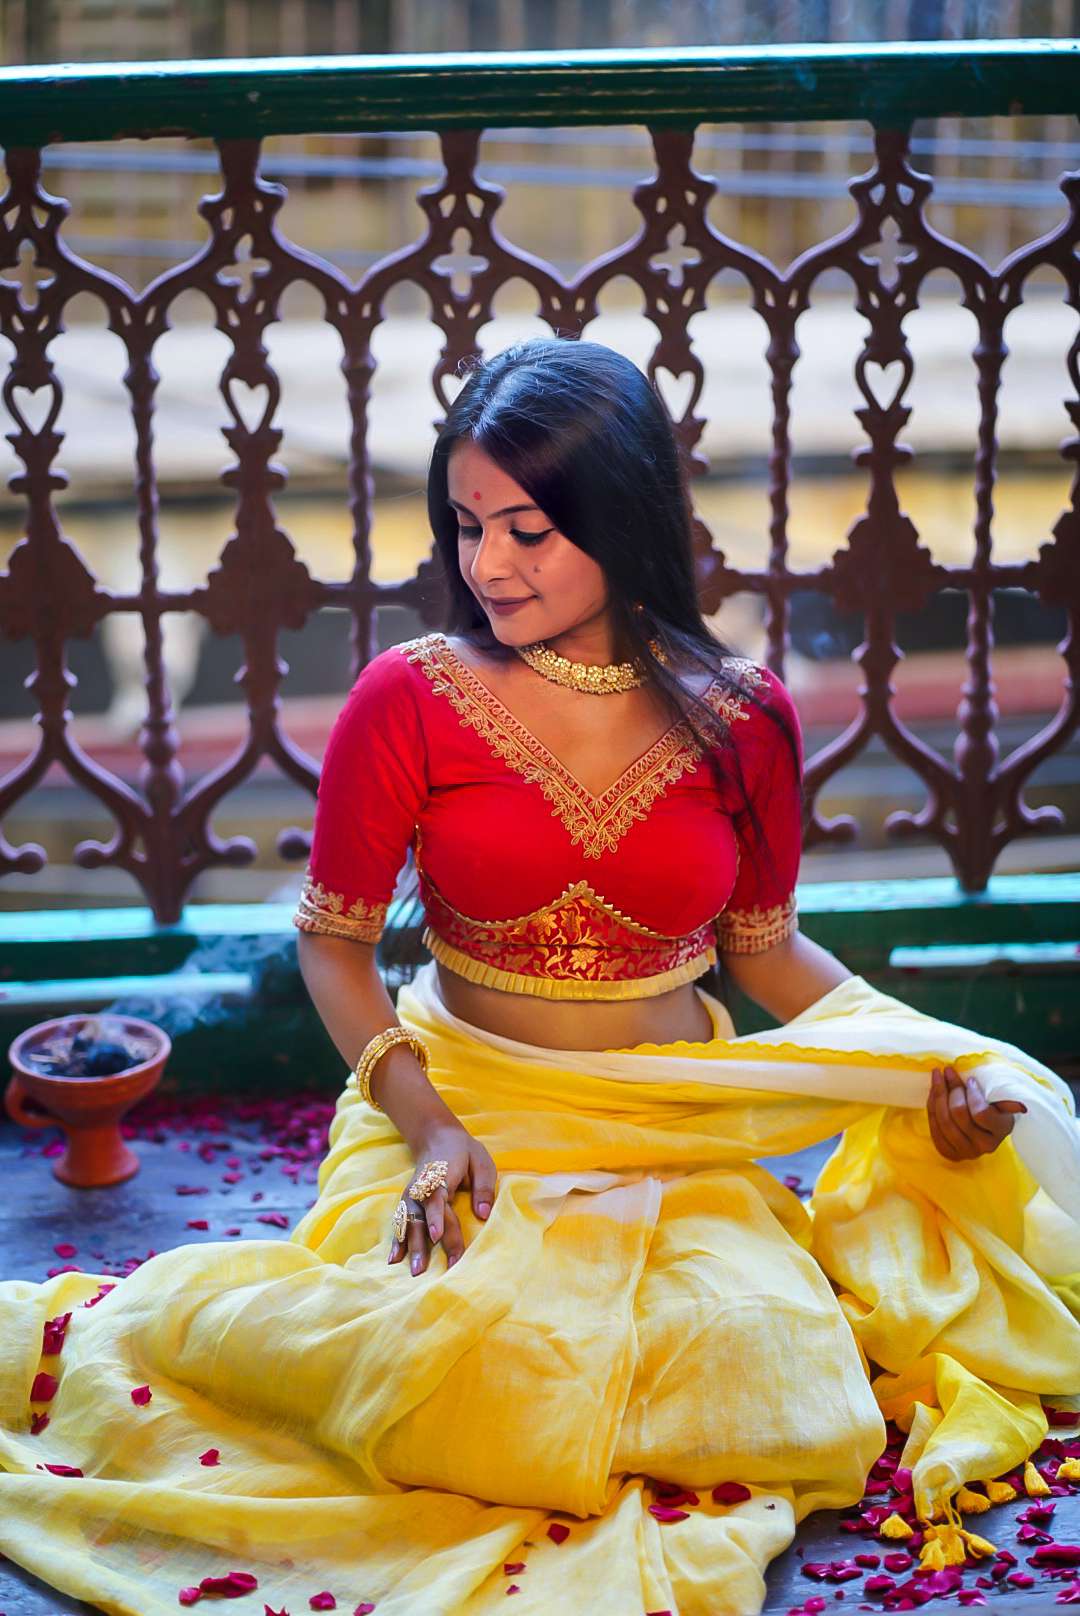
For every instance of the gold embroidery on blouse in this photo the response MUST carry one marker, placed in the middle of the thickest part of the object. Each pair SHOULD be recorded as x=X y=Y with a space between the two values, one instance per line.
x=595 y=823
x=548 y=919
x=324 y=911
x=753 y=930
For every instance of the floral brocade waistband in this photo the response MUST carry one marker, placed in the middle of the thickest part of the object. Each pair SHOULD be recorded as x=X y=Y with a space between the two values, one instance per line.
x=577 y=947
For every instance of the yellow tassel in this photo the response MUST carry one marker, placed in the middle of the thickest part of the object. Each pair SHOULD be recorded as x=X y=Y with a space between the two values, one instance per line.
x=932 y=1557
x=1069 y=1470
x=1034 y=1485
x=895 y=1527
x=979 y=1546
x=969 y=1503
x=942 y=1546
x=1000 y=1492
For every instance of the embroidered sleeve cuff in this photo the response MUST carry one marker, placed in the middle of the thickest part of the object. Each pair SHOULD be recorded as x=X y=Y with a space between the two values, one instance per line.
x=324 y=911
x=752 y=931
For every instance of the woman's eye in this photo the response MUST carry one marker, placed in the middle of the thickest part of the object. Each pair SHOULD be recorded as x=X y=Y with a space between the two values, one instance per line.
x=466 y=532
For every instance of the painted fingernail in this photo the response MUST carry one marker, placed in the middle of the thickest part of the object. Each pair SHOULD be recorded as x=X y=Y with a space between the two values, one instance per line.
x=415 y=1264
x=484 y=1208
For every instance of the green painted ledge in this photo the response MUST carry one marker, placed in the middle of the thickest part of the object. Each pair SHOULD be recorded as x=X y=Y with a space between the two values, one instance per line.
x=224 y=980
x=887 y=84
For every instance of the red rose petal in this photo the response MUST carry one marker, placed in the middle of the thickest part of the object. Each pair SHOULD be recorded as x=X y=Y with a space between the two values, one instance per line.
x=513 y=1588
x=233 y=1231
x=268 y=1612
x=1055 y=1416
x=1057 y=1554
x=66 y=1249
x=970 y=1596
x=898 y=1561
x=38 y=1422
x=278 y=1219
x=557 y=1532
x=869 y=1561
x=662 y=1512
x=197 y=1223
x=513 y=1567
x=1069 y=1595
x=323 y=1601
x=141 y=1395
x=53 y=1333
x=189 y=1596
x=103 y=1291
x=1021 y=1579
x=233 y=1584
x=62 y=1470
x=44 y=1387
x=730 y=1492
x=363 y=1609
x=878 y=1585
x=212 y=1456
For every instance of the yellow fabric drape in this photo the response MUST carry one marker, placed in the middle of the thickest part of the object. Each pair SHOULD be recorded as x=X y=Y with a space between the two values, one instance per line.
x=643 y=1302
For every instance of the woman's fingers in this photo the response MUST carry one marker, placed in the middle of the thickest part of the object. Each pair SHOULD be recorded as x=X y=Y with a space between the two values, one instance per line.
x=963 y=1124
x=483 y=1176
x=453 y=1240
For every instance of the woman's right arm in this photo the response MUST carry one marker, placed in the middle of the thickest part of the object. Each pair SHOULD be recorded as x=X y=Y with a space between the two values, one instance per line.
x=345 y=986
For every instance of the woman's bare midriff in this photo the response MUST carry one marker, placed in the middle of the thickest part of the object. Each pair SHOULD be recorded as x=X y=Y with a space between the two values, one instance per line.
x=578 y=1023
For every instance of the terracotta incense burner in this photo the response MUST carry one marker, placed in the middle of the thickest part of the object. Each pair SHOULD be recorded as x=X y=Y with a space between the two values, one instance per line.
x=82 y=1073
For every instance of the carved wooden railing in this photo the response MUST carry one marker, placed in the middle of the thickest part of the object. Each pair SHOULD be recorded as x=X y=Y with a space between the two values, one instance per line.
x=163 y=833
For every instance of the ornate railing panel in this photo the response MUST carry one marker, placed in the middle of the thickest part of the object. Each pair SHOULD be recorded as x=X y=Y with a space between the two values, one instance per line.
x=259 y=587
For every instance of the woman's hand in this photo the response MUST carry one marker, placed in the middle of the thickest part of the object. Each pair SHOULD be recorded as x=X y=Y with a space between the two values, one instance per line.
x=468 y=1162
x=962 y=1123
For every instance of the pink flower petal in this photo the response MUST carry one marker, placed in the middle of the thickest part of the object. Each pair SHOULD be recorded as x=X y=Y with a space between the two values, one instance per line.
x=44 y=1387
x=233 y=1231
x=234 y=1584
x=53 y=1333
x=197 y=1223
x=189 y=1596
x=268 y=1612
x=212 y=1456
x=730 y=1492
x=278 y=1219
x=66 y=1249
x=1021 y=1579
x=141 y=1395
x=663 y=1513
x=62 y=1470
x=513 y=1588
x=1069 y=1595
x=323 y=1601
x=869 y=1561
x=557 y=1532
x=878 y=1585
x=1057 y=1554
x=513 y=1567
x=363 y=1609
x=899 y=1561
x=970 y=1596
x=1061 y=1416
x=103 y=1291
x=38 y=1422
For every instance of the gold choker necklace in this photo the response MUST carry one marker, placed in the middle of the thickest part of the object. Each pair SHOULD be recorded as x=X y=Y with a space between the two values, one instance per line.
x=596 y=678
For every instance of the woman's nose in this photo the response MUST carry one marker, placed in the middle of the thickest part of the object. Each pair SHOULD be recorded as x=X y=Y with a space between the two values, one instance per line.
x=492 y=558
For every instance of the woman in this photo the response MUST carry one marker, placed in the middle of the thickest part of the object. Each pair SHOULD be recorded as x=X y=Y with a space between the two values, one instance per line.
x=605 y=1297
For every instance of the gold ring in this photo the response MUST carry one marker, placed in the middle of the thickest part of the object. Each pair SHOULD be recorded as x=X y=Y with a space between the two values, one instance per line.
x=432 y=1177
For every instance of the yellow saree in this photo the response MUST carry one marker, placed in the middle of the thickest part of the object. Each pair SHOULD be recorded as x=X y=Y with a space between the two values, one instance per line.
x=644 y=1304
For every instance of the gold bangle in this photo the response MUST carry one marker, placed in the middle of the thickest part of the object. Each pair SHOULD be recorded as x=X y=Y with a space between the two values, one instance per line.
x=360 y=1076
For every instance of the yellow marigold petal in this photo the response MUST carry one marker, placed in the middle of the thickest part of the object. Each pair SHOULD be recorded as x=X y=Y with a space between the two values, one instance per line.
x=895 y=1526
x=950 y=1541
x=970 y=1503
x=1034 y=1485
x=1000 y=1492
x=979 y=1546
x=1069 y=1470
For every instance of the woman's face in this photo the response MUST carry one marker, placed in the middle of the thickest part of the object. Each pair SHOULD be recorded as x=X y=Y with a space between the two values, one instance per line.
x=531 y=581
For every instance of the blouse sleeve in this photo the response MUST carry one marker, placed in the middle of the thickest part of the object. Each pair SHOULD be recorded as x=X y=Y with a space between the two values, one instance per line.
x=761 y=910
x=372 y=784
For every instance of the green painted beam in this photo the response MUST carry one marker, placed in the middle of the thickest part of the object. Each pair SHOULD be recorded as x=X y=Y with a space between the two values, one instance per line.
x=887 y=84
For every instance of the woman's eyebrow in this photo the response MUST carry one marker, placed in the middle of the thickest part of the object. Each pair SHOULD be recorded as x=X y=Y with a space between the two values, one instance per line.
x=507 y=510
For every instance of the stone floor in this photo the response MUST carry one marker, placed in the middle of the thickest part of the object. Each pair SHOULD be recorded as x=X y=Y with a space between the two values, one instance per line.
x=253 y=1176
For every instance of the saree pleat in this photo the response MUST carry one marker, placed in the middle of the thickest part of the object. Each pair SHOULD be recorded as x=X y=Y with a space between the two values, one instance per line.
x=644 y=1304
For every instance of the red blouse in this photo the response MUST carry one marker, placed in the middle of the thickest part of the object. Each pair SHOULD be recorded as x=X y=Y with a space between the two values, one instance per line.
x=529 y=882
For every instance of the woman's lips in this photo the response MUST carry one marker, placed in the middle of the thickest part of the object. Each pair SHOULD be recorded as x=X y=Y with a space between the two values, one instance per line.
x=508 y=605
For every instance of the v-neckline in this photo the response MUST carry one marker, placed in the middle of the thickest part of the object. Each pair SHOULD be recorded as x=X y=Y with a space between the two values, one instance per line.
x=484 y=693
x=595 y=822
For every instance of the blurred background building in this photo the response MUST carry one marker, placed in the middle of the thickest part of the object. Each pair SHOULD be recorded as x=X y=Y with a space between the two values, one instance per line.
x=352 y=199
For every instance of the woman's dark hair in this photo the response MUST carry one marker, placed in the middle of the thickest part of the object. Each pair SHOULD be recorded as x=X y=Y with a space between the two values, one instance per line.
x=587 y=436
